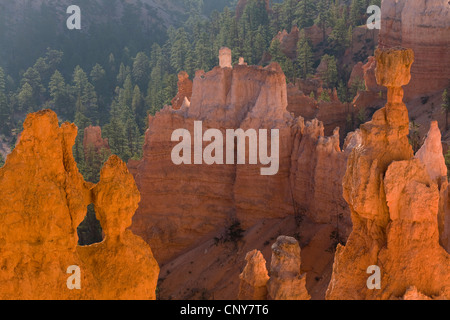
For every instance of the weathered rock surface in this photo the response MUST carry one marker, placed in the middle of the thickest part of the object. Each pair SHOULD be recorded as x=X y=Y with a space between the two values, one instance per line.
x=357 y=74
x=184 y=90
x=184 y=205
x=244 y=97
x=93 y=141
x=44 y=199
x=123 y=264
x=432 y=156
x=424 y=26
x=288 y=42
x=317 y=169
x=332 y=114
x=394 y=204
x=254 y=278
x=286 y=281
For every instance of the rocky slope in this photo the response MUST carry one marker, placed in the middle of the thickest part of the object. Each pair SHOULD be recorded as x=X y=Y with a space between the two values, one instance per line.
x=44 y=201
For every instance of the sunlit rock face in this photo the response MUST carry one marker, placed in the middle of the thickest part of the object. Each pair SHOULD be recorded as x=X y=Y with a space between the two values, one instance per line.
x=44 y=200
x=254 y=277
x=395 y=203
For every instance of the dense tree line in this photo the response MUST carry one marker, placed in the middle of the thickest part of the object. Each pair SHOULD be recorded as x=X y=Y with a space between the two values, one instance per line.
x=117 y=87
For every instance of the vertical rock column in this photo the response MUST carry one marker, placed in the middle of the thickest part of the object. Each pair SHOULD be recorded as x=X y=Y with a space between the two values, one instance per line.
x=254 y=278
x=384 y=140
x=394 y=204
x=286 y=281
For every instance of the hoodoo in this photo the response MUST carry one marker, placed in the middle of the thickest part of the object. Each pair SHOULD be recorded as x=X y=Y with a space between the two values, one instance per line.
x=394 y=204
x=44 y=200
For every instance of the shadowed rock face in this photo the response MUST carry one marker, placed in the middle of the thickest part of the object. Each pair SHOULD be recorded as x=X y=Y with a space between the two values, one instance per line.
x=394 y=202
x=44 y=199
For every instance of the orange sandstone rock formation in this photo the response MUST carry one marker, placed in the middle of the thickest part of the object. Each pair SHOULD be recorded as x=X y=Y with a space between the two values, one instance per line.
x=183 y=205
x=394 y=204
x=357 y=74
x=424 y=26
x=332 y=114
x=317 y=170
x=123 y=263
x=286 y=281
x=184 y=90
x=93 y=140
x=254 y=278
x=432 y=156
x=44 y=199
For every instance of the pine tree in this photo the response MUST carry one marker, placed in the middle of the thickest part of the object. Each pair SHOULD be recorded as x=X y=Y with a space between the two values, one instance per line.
x=5 y=112
x=305 y=11
x=330 y=75
x=82 y=122
x=141 y=69
x=324 y=96
x=115 y=132
x=288 y=13
x=124 y=72
x=85 y=96
x=137 y=106
x=357 y=11
x=33 y=78
x=154 y=98
x=179 y=49
x=276 y=52
x=97 y=74
x=339 y=36
x=112 y=62
x=260 y=44
x=305 y=56
x=126 y=94
x=59 y=93
x=323 y=17
x=202 y=53
x=446 y=107
x=25 y=98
